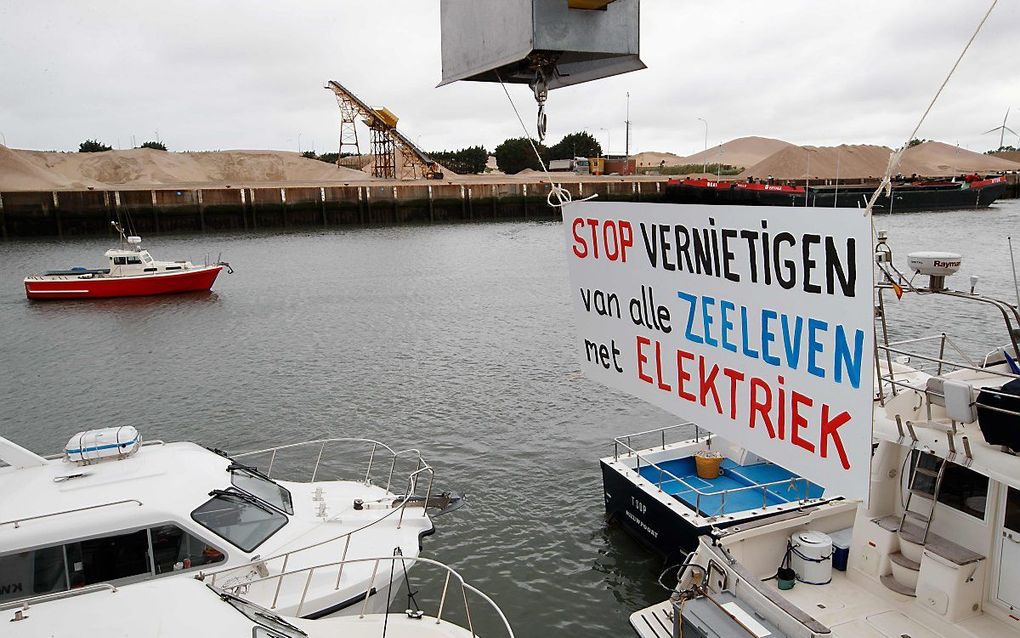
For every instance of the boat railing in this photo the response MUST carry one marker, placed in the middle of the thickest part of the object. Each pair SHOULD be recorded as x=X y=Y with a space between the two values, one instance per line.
x=18 y=521
x=344 y=540
x=665 y=476
x=319 y=448
x=452 y=584
x=887 y=375
x=628 y=445
x=26 y=603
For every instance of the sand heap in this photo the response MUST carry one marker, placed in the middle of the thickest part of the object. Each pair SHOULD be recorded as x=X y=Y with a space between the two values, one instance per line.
x=147 y=168
x=800 y=162
x=931 y=159
x=742 y=152
x=652 y=159
x=939 y=159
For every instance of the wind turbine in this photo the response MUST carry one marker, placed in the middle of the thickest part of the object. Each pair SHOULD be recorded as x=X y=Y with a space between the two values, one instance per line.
x=1002 y=130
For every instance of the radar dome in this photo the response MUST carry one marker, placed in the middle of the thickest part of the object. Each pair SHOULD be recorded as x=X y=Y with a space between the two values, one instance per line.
x=934 y=263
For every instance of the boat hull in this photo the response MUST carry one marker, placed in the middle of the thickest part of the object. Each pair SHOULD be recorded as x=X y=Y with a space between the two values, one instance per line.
x=904 y=198
x=647 y=519
x=196 y=279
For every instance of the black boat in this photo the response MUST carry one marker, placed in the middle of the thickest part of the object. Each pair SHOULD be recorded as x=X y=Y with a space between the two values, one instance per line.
x=970 y=191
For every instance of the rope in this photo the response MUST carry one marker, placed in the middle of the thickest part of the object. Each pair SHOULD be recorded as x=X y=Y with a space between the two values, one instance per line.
x=558 y=196
x=894 y=159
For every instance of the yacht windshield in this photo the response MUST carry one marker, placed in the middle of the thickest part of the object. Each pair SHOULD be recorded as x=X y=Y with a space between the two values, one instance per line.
x=276 y=625
x=258 y=484
x=239 y=518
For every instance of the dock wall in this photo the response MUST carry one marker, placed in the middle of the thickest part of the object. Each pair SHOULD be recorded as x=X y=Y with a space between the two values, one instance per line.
x=76 y=213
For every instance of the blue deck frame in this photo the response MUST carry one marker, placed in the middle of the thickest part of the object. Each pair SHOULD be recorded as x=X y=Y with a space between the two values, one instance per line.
x=734 y=476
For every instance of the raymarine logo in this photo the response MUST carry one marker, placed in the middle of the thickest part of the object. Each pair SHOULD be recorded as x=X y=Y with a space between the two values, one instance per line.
x=947 y=264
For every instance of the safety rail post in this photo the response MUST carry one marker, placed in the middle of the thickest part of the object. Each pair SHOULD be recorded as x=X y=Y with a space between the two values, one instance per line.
x=272 y=460
x=442 y=599
x=467 y=609
x=389 y=479
x=942 y=353
x=616 y=450
x=315 y=470
x=368 y=590
x=428 y=493
x=279 y=581
x=722 y=504
x=343 y=557
x=630 y=447
x=371 y=459
x=764 y=497
x=304 y=593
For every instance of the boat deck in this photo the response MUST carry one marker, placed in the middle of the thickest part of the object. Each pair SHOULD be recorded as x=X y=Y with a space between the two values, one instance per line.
x=739 y=488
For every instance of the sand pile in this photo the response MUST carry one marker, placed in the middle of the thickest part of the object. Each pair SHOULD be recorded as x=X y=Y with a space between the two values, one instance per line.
x=930 y=159
x=939 y=159
x=148 y=168
x=743 y=152
x=652 y=159
x=1012 y=156
x=822 y=162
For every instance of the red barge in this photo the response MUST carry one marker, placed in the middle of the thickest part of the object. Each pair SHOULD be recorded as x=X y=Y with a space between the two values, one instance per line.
x=132 y=272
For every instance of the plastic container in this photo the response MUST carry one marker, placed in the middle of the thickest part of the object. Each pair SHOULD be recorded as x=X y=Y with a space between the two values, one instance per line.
x=96 y=445
x=811 y=557
x=786 y=578
x=708 y=464
x=841 y=548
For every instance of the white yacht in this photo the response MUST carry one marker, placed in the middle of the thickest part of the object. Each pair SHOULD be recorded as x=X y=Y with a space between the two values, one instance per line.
x=186 y=607
x=936 y=551
x=112 y=509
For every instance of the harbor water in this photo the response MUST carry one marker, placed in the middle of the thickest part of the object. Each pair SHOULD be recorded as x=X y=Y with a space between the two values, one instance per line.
x=455 y=339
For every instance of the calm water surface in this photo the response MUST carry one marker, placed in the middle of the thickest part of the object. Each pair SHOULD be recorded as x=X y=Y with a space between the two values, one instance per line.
x=453 y=339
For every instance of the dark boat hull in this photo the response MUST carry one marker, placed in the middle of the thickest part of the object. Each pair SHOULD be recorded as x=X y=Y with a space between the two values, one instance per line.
x=646 y=519
x=904 y=198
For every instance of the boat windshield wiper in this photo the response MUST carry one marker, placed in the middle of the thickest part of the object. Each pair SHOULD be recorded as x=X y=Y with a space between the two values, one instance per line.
x=234 y=466
x=247 y=498
x=257 y=613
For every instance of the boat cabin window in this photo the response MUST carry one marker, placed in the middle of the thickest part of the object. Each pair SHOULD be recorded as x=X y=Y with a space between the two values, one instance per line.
x=240 y=518
x=132 y=555
x=961 y=488
x=263 y=487
x=119 y=261
x=133 y=260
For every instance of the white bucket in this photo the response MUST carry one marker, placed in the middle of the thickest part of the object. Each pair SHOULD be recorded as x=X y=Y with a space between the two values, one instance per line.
x=811 y=557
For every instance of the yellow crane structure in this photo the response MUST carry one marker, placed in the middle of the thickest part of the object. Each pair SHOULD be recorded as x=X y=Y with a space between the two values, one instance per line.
x=395 y=156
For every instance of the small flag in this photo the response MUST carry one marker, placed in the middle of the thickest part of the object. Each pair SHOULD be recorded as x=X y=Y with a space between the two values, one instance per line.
x=898 y=290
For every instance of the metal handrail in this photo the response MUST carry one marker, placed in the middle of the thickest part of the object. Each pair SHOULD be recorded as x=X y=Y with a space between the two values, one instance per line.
x=239 y=588
x=18 y=521
x=322 y=446
x=25 y=603
x=631 y=452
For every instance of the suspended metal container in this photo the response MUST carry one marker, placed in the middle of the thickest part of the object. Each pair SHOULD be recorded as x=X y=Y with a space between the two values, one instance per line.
x=551 y=43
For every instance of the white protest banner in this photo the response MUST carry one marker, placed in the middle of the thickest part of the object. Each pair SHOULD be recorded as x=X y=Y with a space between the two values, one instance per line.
x=754 y=322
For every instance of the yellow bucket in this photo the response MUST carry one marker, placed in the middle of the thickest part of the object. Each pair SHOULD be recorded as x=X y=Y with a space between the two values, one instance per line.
x=709 y=464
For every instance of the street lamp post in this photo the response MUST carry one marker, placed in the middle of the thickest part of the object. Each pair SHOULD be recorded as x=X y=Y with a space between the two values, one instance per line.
x=704 y=169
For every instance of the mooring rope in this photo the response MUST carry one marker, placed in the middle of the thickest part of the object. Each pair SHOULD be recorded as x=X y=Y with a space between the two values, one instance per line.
x=894 y=159
x=558 y=196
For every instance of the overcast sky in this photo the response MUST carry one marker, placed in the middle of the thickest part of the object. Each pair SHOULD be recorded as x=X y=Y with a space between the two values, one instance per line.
x=211 y=74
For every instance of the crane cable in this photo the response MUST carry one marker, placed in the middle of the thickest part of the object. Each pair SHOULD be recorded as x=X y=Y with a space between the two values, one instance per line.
x=558 y=196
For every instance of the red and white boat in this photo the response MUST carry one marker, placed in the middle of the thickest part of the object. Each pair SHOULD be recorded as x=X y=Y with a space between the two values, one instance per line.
x=131 y=272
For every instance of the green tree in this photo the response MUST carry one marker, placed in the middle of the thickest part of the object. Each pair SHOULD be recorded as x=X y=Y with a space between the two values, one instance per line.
x=470 y=160
x=916 y=142
x=158 y=146
x=515 y=154
x=329 y=158
x=1001 y=149
x=309 y=155
x=580 y=144
x=93 y=146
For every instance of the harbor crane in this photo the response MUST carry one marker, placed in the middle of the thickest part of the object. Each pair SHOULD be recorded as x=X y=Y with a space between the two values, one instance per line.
x=395 y=156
